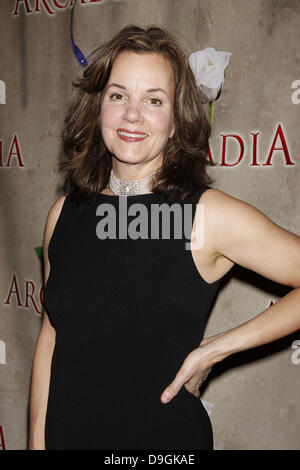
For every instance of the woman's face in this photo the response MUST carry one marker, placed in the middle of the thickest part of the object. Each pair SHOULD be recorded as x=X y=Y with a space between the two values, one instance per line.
x=137 y=108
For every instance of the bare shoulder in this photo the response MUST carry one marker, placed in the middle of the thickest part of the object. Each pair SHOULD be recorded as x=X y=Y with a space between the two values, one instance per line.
x=226 y=219
x=209 y=259
x=224 y=209
x=226 y=215
x=215 y=199
x=238 y=232
x=217 y=205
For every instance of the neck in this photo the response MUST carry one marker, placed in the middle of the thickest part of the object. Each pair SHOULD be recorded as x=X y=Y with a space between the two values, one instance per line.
x=125 y=172
x=142 y=185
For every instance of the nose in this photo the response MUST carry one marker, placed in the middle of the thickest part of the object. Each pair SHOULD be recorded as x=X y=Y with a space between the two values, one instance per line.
x=132 y=113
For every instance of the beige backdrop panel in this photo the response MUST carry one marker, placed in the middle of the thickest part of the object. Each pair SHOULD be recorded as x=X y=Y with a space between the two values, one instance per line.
x=255 y=394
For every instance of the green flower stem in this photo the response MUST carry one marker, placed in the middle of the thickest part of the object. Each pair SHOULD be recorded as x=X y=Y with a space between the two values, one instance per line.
x=39 y=252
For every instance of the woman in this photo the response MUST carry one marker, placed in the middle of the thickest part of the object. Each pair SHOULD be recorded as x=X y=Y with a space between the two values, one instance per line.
x=120 y=355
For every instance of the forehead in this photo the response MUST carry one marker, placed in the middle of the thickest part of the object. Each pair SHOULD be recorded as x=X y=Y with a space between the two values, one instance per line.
x=151 y=69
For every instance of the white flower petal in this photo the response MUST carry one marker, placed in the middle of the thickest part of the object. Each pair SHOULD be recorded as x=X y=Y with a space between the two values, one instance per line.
x=208 y=66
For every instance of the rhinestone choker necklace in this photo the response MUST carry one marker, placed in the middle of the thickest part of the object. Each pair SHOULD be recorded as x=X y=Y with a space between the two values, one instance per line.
x=130 y=187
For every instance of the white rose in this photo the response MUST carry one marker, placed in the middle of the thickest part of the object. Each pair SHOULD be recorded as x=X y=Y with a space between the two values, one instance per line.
x=208 y=66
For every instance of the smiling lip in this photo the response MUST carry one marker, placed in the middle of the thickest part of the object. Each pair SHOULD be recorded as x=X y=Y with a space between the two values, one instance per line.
x=129 y=136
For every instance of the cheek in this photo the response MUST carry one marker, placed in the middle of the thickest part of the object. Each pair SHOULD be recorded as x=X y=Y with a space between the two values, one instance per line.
x=161 y=122
x=108 y=115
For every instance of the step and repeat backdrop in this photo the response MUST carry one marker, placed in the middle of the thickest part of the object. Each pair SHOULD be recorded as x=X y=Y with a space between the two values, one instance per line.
x=252 y=397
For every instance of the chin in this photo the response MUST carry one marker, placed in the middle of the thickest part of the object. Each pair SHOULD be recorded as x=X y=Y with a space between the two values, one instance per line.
x=128 y=158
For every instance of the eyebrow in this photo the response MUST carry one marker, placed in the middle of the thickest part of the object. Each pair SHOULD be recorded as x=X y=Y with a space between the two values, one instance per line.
x=150 y=90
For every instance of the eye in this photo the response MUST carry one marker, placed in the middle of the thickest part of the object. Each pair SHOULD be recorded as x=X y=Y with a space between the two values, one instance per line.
x=155 y=101
x=112 y=97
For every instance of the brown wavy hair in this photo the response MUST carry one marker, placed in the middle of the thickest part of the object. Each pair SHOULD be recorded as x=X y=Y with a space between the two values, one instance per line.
x=185 y=155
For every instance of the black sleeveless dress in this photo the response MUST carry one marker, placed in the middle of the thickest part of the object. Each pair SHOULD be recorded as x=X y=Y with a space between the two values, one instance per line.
x=127 y=311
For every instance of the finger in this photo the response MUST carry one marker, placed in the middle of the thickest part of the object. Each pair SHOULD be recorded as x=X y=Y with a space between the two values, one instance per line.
x=167 y=395
x=174 y=387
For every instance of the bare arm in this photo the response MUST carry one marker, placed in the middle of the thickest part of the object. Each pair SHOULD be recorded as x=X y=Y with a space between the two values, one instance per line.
x=43 y=351
x=244 y=235
x=249 y=238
